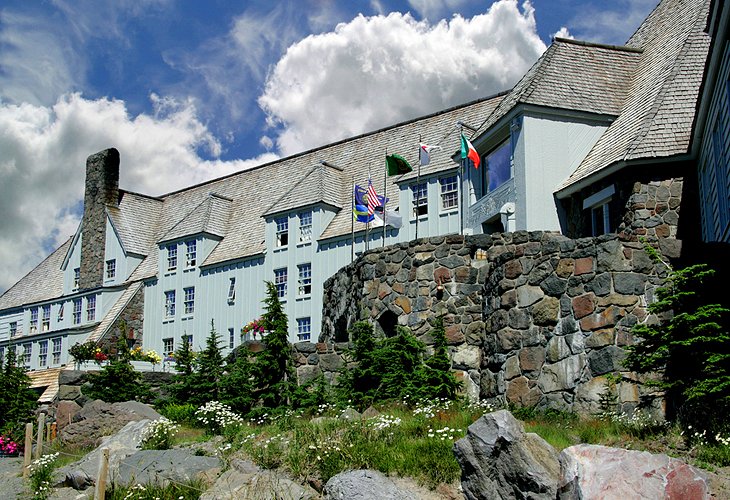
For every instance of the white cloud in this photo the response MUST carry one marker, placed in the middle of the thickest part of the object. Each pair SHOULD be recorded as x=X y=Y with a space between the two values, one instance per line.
x=435 y=9
x=612 y=22
x=43 y=152
x=563 y=33
x=375 y=71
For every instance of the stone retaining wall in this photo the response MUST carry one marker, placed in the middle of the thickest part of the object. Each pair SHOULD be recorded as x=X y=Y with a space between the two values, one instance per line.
x=532 y=318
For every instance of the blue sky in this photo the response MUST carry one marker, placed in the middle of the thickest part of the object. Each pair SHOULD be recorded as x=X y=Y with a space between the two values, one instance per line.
x=191 y=90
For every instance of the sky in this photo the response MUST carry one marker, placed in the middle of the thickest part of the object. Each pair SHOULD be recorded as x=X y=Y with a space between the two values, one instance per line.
x=189 y=91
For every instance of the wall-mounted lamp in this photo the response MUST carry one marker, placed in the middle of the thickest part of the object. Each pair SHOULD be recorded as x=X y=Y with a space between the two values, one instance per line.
x=439 y=287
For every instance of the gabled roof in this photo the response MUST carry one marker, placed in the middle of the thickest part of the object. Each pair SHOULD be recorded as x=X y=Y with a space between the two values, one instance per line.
x=133 y=208
x=209 y=217
x=656 y=119
x=322 y=184
x=45 y=282
x=573 y=75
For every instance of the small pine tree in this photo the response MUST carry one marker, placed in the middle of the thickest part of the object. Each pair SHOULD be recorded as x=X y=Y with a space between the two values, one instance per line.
x=275 y=368
x=17 y=399
x=439 y=381
x=238 y=382
x=118 y=380
x=205 y=380
x=184 y=366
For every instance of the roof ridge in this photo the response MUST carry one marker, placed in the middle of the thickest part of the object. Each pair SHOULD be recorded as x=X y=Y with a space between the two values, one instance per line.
x=622 y=48
x=294 y=186
x=183 y=219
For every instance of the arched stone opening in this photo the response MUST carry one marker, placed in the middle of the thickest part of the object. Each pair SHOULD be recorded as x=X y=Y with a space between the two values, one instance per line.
x=388 y=322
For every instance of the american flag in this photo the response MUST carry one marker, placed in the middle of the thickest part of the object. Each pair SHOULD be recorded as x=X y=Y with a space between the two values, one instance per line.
x=373 y=200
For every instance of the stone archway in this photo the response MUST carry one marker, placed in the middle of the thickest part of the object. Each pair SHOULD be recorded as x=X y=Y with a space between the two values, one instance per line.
x=388 y=322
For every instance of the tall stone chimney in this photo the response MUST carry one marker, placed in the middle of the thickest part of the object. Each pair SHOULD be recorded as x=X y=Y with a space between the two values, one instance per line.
x=102 y=189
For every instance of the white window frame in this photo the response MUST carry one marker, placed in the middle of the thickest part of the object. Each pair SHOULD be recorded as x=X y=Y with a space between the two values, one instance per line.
x=169 y=304
x=305 y=226
x=78 y=308
x=189 y=300
x=282 y=231
x=27 y=353
x=171 y=257
x=33 y=324
x=45 y=317
x=304 y=329
x=57 y=347
x=59 y=318
x=449 y=190
x=13 y=329
x=419 y=204
x=77 y=278
x=111 y=269
x=191 y=253
x=232 y=290
x=305 y=279
x=600 y=201
x=43 y=353
x=280 y=281
x=91 y=308
x=168 y=345
x=231 y=338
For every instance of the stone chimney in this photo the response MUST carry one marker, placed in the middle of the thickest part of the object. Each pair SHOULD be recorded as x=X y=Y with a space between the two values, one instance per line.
x=102 y=189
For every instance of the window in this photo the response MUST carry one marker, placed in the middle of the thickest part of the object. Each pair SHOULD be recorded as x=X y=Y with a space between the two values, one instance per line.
x=280 y=282
x=111 y=269
x=168 y=346
x=27 y=352
x=77 y=311
x=77 y=278
x=231 y=338
x=43 y=353
x=304 y=329
x=188 y=339
x=170 y=304
x=191 y=253
x=56 y=350
x=46 y=318
x=282 y=231
x=171 y=257
x=91 y=308
x=598 y=205
x=449 y=192
x=498 y=166
x=232 y=291
x=60 y=313
x=420 y=199
x=305 y=279
x=189 y=302
x=33 y=327
x=13 y=329
x=305 y=226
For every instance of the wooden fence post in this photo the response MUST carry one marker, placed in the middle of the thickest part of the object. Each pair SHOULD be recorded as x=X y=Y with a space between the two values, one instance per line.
x=28 y=449
x=48 y=432
x=100 y=490
x=39 y=441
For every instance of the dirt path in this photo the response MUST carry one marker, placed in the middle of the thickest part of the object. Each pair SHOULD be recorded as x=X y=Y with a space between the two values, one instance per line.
x=11 y=480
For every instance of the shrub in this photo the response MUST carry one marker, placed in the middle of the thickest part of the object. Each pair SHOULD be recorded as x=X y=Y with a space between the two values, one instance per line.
x=216 y=417
x=181 y=413
x=158 y=434
x=119 y=381
x=17 y=399
x=41 y=474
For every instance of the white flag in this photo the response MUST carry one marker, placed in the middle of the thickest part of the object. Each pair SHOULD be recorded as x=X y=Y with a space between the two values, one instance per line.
x=392 y=218
x=424 y=153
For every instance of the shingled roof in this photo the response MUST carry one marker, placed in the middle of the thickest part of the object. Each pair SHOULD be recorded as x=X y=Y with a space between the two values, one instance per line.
x=656 y=119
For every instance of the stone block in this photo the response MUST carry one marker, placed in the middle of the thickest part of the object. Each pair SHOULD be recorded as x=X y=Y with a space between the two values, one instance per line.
x=583 y=305
x=65 y=413
x=563 y=375
x=565 y=268
x=330 y=362
x=308 y=373
x=454 y=335
x=512 y=367
x=509 y=339
x=68 y=392
x=608 y=317
x=519 y=319
x=467 y=357
x=508 y=299
x=545 y=312
x=606 y=360
x=491 y=384
x=404 y=303
x=512 y=269
x=475 y=333
x=425 y=272
x=600 y=338
x=523 y=392
x=554 y=286
x=584 y=265
x=629 y=283
x=443 y=274
x=532 y=358
x=617 y=299
x=600 y=284
x=528 y=295
x=557 y=349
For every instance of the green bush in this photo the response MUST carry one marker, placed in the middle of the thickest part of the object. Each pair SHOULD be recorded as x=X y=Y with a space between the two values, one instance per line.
x=158 y=434
x=118 y=380
x=181 y=413
x=17 y=399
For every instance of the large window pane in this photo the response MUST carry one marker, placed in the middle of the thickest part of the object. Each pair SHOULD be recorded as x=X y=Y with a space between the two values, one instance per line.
x=498 y=166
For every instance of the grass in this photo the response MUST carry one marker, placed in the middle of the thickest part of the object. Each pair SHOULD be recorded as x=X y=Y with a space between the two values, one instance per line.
x=190 y=490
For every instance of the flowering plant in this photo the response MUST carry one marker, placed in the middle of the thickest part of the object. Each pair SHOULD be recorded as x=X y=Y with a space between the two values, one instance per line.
x=83 y=352
x=254 y=327
x=8 y=446
x=138 y=354
x=100 y=355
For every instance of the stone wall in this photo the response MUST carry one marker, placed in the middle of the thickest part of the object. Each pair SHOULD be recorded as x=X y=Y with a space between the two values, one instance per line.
x=531 y=318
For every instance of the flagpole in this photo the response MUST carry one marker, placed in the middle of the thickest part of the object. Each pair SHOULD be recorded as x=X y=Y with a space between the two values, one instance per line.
x=385 y=195
x=461 y=186
x=352 y=224
x=418 y=184
x=367 y=223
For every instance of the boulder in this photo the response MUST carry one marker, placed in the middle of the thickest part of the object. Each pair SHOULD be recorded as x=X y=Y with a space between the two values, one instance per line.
x=590 y=471
x=244 y=479
x=65 y=413
x=98 y=419
x=499 y=460
x=161 y=466
x=364 y=485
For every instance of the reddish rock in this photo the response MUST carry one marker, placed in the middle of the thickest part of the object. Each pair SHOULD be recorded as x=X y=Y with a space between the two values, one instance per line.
x=523 y=392
x=607 y=318
x=404 y=303
x=65 y=413
x=256 y=346
x=399 y=288
x=454 y=335
x=592 y=471
x=583 y=266
x=321 y=348
x=383 y=291
x=441 y=273
x=512 y=269
x=583 y=305
x=532 y=358
x=662 y=231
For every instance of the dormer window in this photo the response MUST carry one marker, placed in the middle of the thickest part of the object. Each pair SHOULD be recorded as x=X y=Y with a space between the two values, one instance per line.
x=77 y=312
x=60 y=313
x=449 y=193
x=191 y=253
x=77 y=278
x=91 y=308
x=111 y=269
x=305 y=226
x=282 y=231
x=171 y=257
x=232 y=291
x=13 y=329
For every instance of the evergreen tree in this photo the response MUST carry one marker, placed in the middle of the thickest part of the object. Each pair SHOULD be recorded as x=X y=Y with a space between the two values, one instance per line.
x=238 y=382
x=275 y=371
x=205 y=380
x=184 y=366
x=439 y=381
x=118 y=380
x=17 y=399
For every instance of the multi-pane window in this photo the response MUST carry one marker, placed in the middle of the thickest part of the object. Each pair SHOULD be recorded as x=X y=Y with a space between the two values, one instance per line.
x=231 y=338
x=171 y=257
x=449 y=192
x=280 y=277
x=33 y=326
x=60 y=313
x=56 y=353
x=232 y=290
x=13 y=329
x=189 y=302
x=111 y=269
x=498 y=166
x=305 y=279
x=46 y=318
x=191 y=253
x=282 y=231
x=305 y=226
x=77 y=278
x=170 y=304
x=168 y=346
x=43 y=353
x=77 y=311
x=91 y=308
x=420 y=199
x=27 y=352
x=304 y=329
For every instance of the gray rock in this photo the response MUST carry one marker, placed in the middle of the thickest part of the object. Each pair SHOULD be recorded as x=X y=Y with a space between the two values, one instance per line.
x=162 y=466
x=499 y=460
x=562 y=375
x=528 y=295
x=349 y=414
x=68 y=392
x=330 y=362
x=606 y=360
x=364 y=485
x=629 y=283
x=98 y=419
